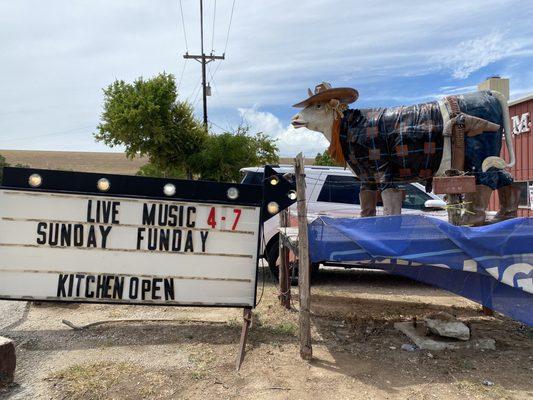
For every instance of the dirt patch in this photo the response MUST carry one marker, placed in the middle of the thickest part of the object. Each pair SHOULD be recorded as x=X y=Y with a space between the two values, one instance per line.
x=81 y=161
x=357 y=351
x=112 y=380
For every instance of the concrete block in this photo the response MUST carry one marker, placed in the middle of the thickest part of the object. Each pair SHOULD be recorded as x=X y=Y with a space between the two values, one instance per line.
x=419 y=337
x=8 y=361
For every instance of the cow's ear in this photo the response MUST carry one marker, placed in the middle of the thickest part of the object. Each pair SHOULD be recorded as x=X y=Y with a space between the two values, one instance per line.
x=334 y=103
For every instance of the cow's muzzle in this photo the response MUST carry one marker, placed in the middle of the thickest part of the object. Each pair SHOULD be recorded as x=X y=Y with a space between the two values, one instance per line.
x=296 y=122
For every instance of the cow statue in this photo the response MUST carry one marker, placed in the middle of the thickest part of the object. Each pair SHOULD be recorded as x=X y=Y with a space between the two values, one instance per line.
x=386 y=146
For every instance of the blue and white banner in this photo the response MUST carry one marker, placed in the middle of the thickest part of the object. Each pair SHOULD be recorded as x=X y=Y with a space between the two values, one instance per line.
x=492 y=265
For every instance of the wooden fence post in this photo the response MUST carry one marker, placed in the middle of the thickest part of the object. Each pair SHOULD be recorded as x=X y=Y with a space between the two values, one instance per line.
x=306 y=350
x=455 y=214
x=284 y=280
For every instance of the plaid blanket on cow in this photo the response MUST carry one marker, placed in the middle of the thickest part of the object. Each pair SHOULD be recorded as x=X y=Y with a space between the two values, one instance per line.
x=384 y=146
x=388 y=145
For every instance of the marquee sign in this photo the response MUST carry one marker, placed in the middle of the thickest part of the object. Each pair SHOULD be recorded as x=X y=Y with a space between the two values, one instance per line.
x=67 y=236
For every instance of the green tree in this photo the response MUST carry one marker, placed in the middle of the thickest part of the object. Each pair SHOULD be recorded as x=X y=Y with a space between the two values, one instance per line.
x=153 y=171
x=225 y=154
x=3 y=163
x=266 y=148
x=147 y=118
x=325 y=159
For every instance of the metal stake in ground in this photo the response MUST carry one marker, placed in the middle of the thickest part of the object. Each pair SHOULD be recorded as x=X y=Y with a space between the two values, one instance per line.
x=284 y=281
x=306 y=350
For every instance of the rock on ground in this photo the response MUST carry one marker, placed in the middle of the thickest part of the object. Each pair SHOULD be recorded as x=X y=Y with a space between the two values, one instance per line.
x=444 y=324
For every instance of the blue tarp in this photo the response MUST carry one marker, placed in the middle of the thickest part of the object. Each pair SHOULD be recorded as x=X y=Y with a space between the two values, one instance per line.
x=492 y=265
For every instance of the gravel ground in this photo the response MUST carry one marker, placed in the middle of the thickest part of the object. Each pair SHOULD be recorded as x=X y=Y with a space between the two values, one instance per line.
x=357 y=352
x=12 y=313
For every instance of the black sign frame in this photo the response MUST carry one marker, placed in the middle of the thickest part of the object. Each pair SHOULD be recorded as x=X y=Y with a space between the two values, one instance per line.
x=276 y=189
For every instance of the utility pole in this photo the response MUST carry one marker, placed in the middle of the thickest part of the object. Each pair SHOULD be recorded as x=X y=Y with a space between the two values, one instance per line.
x=204 y=60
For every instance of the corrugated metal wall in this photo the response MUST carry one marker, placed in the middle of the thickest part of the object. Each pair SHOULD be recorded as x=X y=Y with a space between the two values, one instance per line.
x=523 y=145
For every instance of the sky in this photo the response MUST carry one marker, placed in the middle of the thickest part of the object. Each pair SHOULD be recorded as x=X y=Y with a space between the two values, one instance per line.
x=57 y=56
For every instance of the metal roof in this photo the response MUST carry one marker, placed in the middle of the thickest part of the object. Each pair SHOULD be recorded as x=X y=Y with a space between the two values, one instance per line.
x=521 y=100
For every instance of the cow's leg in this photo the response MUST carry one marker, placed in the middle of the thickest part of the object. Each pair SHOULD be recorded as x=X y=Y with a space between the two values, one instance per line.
x=392 y=201
x=476 y=204
x=368 y=200
x=509 y=197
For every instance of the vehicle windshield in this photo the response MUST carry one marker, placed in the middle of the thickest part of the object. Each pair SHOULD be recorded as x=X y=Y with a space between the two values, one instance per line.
x=345 y=189
x=252 y=178
x=414 y=197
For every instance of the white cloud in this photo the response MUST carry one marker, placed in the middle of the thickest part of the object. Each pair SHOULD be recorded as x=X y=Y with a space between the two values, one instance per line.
x=457 y=89
x=64 y=53
x=289 y=140
x=473 y=54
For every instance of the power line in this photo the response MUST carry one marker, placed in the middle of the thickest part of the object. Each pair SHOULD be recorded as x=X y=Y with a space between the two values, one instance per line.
x=213 y=30
x=204 y=60
x=197 y=91
x=213 y=74
x=194 y=91
x=227 y=39
x=212 y=36
x=181 y=76
x=195 y=100
x=221 y=102
x=186 y=45
x=229 y=26
x=183 y=26
x=218 y=126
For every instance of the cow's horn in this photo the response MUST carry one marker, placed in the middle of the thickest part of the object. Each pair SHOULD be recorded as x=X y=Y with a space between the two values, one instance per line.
x=309 y=92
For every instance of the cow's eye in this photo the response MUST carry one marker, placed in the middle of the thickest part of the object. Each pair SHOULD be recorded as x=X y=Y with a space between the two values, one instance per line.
x=318 y=106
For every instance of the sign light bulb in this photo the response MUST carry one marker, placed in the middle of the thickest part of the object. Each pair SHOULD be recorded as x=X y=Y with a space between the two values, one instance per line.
x=232 y=193
x=35 y=180
x=274 y=180
x=273 y=207
x=169 y=189
x=292 y=195
x=103 y=184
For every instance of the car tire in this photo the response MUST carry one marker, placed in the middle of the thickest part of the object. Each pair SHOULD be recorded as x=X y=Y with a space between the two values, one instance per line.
x=272 y=255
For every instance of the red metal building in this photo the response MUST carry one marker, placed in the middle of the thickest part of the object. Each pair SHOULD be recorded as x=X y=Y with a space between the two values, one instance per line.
x=521 y=112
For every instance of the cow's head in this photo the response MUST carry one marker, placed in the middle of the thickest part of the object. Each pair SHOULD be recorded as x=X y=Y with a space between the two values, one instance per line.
x=319 y=117
x=323 y=108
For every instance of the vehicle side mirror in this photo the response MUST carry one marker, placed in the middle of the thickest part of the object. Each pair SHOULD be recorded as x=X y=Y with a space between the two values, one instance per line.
x=434 y=203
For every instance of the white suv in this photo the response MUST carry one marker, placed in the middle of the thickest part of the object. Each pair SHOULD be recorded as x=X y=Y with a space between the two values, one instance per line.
x=334 y=191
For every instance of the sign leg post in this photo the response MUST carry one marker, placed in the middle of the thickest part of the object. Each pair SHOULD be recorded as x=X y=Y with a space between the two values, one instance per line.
x=306 y=349
x=247 y=319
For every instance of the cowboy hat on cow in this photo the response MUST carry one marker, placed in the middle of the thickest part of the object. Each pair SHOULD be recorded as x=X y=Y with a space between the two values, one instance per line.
x=324 y=92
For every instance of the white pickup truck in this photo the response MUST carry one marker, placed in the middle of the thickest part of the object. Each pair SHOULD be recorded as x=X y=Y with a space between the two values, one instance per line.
x=334 y=191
